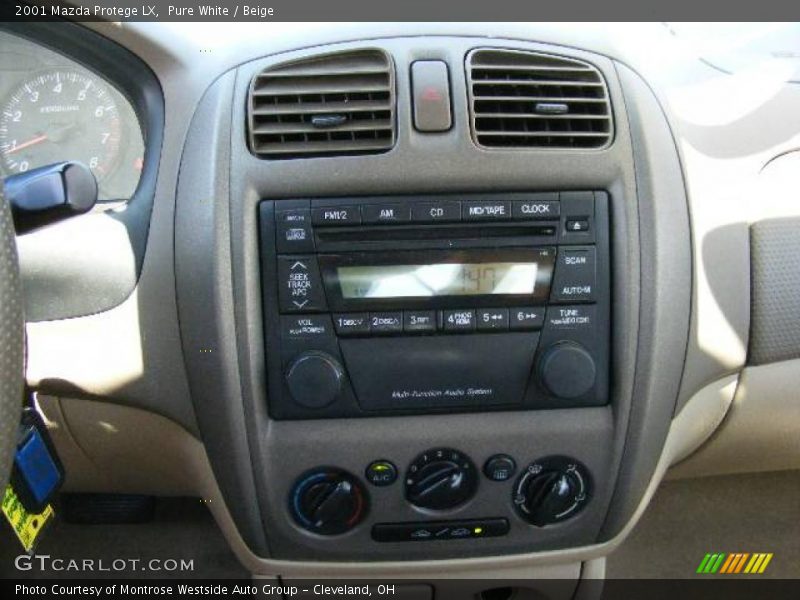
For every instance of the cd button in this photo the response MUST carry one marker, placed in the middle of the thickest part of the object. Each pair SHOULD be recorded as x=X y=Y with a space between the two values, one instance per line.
x=458 y=320
x=429 y=212
x=527 y=318
x=492 y=319
x=419 y=321
x=386 y=322
x=351 y=323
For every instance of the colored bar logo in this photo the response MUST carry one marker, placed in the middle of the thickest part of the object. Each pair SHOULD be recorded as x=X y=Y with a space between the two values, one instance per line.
x=734 y=563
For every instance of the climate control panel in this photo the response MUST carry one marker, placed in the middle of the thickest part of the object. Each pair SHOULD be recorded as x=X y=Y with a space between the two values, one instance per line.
x=330 y=501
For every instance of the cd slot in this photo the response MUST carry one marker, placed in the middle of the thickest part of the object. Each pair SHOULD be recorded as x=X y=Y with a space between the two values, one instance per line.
x=458 y=232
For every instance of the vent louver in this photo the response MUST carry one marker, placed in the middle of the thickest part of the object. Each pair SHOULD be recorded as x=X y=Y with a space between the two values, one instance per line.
x=530 y=100
x=333 y=104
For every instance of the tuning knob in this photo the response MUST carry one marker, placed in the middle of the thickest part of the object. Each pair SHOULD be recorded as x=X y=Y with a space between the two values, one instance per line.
x=314 y=379
x=328 y=501
x=567 y=370
x=550 y=490
x=441 y=479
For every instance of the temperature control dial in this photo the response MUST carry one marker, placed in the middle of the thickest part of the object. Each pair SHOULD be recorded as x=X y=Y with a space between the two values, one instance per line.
x=551 y=490
x=328 y=501
x=441 y=479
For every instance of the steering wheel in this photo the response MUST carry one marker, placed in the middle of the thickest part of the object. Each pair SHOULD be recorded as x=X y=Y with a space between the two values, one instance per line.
x=12 y=328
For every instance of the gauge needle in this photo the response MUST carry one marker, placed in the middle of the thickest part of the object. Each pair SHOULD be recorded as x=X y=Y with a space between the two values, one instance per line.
x=31 y=142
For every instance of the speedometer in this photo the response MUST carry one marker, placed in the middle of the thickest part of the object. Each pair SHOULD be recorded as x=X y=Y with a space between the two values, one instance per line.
x=58 y=116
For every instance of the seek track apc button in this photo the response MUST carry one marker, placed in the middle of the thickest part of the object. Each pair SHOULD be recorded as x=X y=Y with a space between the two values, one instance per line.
x=300 y=285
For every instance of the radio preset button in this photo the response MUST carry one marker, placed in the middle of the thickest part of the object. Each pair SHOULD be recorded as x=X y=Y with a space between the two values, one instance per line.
x=536 y=209
x=575 y=275
x=385 y=213
x=458 y=320
x=300 y=284
x=351 y=323
x=429 y=212
x=294 y=233
x=419 y=321
x=492 y=319
x=526 y=318
x=386 y=323
x=336 y=215
x=488 y=210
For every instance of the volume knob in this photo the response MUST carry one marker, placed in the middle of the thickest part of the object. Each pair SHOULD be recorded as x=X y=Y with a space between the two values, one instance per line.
x=314 y=379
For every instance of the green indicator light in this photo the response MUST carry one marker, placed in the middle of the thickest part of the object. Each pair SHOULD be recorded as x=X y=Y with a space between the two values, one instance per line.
x=478 y=530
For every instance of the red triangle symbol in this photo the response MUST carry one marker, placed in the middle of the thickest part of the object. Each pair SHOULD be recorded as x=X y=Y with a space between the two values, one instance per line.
x=431 y=94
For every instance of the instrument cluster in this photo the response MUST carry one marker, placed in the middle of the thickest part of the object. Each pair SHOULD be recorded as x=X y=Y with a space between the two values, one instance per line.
x=53 y=109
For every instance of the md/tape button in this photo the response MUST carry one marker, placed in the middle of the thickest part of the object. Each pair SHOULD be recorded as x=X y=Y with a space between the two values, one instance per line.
x=489 y=210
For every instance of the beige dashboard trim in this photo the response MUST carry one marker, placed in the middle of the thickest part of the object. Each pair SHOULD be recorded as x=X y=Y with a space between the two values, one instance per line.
x=112 y=448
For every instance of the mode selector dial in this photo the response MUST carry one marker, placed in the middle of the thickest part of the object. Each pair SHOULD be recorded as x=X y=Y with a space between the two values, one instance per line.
x=567 y=370
x=441 y=479
x=314 y=379
x=551 y=490
x=328 y=501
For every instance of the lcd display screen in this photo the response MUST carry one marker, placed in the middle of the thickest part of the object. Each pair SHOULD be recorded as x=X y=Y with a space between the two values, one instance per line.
x=444 y=279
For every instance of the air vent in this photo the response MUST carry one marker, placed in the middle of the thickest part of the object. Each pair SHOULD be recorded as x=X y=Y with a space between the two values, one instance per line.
x=529 y=100
x=334 y=104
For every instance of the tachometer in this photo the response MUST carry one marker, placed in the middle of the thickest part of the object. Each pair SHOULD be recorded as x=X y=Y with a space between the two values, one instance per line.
x=60 y=115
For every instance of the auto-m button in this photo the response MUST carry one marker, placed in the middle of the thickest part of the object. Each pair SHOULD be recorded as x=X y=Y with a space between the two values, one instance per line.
x=575 y=275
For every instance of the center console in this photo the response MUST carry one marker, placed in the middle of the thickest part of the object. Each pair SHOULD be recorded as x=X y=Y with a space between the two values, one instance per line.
x=414 y=339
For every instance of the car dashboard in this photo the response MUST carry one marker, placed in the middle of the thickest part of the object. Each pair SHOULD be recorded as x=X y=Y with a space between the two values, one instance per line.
x=411 y=300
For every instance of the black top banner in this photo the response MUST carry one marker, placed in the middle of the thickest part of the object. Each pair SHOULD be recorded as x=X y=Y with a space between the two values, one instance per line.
x=395 y=10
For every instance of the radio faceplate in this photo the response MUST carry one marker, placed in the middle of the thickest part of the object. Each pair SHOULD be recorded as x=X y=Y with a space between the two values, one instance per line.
x=422 y=304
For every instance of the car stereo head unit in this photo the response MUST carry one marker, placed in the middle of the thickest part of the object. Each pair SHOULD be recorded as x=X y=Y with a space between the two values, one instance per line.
x=410 y=305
